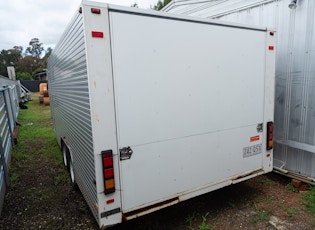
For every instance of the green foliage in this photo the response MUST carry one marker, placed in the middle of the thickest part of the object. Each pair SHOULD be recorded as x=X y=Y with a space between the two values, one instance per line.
x=25 y=64
x=190 y=220
x=8 y=58
x=267 y=182
x=160 y=4
x=309 y=200
x=14 y=179
x=292 y=212
x=23 y=76
x=261 y=215
x=266 y=199
x=204 y=225
x=290 y=188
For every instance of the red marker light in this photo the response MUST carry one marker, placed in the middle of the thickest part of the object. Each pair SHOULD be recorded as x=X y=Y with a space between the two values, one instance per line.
x=96 y=11
x=110 y=201
x=97 y=34
x=271 y=47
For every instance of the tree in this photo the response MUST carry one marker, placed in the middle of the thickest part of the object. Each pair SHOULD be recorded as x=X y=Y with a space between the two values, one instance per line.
x=8 y=58
x=18 y=49
x=23 y=76
x=160 y=4
x=45 y=58
x=27 y=64
x=135 y=5
x=35 y=49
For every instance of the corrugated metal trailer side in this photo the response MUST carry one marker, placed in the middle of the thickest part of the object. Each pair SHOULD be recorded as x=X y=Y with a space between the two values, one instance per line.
x=70 y=106
x=294 y=153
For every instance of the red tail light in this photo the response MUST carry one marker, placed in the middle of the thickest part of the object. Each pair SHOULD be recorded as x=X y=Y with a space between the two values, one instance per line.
x=269 y=135
x=108 y=171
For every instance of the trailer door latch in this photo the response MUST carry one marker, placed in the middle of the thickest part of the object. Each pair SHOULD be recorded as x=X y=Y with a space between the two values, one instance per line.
x=125 y=153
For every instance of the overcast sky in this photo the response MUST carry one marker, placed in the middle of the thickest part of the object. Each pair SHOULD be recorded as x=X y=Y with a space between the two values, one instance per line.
x=22 y=20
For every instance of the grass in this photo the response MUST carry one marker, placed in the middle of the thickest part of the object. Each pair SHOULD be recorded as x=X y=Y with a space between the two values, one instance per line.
x=266 y=199
x=290 y=188
x=36 y=129
x=35 y=139
x=204 y=225
x=309 y=200
x=261 y=214
x=191 y=219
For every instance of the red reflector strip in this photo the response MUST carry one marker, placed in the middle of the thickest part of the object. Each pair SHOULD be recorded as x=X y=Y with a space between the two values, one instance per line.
x=268 y=155
x=271 y=47
x=255 y=138
x=97 y=34
x=110 y=201
x=95 y=10
x=269 y=145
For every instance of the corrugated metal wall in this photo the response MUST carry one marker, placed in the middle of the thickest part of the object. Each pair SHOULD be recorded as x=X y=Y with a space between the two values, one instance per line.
x=70 y=106
x=295 y=67
x=9 y=108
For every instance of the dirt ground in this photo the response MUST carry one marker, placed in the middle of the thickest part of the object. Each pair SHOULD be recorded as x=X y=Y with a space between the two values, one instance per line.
x=42 y=198
x=265 y=202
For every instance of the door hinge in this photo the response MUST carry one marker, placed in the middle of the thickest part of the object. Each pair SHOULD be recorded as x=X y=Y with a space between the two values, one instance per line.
x=125 y=153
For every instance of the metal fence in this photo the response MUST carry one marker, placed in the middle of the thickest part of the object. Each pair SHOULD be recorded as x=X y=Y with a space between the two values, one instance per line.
x=9 y=109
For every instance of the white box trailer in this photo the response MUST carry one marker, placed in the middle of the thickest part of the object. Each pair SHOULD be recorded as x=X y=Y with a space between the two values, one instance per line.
x=152 y=109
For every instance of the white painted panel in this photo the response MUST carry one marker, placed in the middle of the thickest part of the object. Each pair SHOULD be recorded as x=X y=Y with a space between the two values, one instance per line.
x=188 y=98
x=166 y=169
x=198 y=79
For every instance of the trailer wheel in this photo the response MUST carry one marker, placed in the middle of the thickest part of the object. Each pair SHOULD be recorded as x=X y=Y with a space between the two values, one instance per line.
x=65 y=156
x=72 y=176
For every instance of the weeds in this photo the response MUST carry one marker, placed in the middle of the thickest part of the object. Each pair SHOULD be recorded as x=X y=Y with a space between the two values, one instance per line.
x=309 y=198
x=267 y=182
x=290 y=188
x=62 y=178
x=14 y=179
x=204 y=225
x=192 y=218
x=292 y=212
x=266 y=200
x=261 y=215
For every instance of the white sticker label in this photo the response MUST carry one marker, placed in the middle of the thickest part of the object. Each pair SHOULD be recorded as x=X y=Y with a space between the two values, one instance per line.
x=252 y=150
